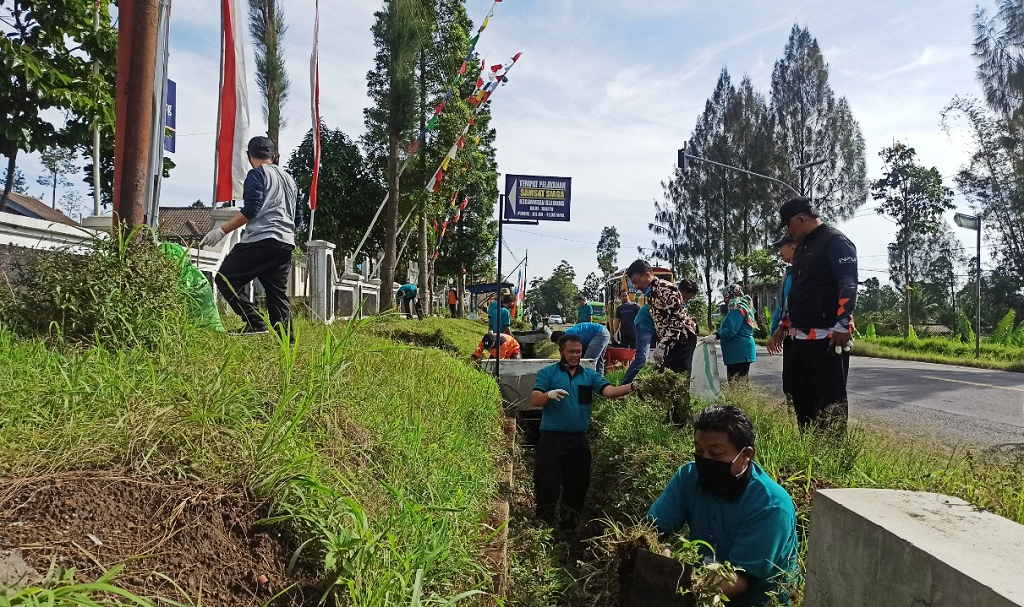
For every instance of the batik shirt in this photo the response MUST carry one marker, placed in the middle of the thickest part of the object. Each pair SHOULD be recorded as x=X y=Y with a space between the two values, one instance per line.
x=671 y=319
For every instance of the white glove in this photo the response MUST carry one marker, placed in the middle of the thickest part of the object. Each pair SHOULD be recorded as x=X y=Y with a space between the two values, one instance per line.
x=557 y=394
x=710 y=339
x=212 y=237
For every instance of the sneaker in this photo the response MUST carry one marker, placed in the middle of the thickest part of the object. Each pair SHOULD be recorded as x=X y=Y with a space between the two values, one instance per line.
x=248 y=330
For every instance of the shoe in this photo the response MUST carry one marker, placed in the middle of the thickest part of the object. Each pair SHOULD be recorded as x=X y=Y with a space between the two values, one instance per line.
x=247 y=330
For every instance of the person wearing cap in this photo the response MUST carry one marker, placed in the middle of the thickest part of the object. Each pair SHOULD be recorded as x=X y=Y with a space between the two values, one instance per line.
x=676 y=330
x=507 y=347
x=818 y=316
x=787 y=248
x=595 y=338
x=407 y=300
x=584 y=311
x=736 y=333
x=264 y=252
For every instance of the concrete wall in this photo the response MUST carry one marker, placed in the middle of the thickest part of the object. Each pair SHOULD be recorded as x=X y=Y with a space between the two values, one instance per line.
x=908 y=549
x=517 y=377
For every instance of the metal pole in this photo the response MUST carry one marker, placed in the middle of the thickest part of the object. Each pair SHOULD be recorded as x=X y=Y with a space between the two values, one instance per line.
x=497 y=290
x=729 y=166
x=977 y=316
x=96 y=129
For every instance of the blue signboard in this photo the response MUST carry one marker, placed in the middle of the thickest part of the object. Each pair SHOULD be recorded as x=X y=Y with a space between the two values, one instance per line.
x=172 y=110
x=532 y=198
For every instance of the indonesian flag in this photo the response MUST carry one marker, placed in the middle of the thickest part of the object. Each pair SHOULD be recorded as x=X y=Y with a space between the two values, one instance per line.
x=233 y=111
x=314 y=77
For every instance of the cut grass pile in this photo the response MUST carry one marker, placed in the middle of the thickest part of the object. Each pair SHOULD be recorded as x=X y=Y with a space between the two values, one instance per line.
x=379 y=458
x=942 y=351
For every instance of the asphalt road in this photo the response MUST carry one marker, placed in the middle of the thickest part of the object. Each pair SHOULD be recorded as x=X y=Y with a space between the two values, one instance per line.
x=942 y=404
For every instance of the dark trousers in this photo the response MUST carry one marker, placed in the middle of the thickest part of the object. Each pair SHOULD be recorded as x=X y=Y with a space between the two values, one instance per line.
x=408 y=305
x=267 y=261
x=679 y=357
x=627 y=339
x=816 y=378
x=737 y=371
x=561 y=467
x=454 y=308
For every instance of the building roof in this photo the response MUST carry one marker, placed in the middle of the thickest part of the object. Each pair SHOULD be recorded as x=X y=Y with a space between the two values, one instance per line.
x=26 y=206
x=185 y=222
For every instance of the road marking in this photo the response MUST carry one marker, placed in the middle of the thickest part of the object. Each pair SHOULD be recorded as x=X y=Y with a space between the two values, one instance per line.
x=971 y=383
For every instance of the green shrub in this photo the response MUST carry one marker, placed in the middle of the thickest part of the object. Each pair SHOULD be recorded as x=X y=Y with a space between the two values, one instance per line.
x=911 y=334
x=964 y=329
x=120 y=291
x=871 y=331
x=1003 y=332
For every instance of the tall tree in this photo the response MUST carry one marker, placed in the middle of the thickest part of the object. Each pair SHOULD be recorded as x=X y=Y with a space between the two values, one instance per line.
x=813 y=124
x=58 y=162
x=914 y=197
x=348 y=188
x=46 y=48
x=267 y=26
x=999 y=52
x=554 y=294
x=391 y=85
x=19 y=181
x=608 y=250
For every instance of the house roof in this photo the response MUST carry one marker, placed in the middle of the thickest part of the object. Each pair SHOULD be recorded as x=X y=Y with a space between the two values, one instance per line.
x=185 y=222
x=26 y=206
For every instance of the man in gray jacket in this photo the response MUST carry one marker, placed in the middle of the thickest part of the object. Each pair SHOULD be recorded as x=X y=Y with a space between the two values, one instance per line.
x=265 y=250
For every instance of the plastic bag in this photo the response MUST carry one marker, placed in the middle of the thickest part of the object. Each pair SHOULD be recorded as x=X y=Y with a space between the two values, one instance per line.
x=199 y=298
x=705 y=382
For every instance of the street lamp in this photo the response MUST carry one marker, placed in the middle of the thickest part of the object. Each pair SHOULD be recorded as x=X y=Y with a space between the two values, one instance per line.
x=973 y=222
x=810 y=178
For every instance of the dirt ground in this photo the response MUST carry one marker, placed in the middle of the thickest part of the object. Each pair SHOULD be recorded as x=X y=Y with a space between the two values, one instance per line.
x=204 y=538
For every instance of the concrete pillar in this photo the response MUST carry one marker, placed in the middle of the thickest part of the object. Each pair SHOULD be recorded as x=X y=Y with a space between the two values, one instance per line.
x=321 y=278
x=910 y=549
x=100 y=223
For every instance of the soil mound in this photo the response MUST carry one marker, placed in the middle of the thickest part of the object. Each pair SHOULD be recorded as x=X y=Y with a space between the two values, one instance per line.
x=202 y=537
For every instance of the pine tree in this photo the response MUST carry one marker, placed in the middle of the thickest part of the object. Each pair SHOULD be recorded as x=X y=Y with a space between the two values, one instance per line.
x=266 y=24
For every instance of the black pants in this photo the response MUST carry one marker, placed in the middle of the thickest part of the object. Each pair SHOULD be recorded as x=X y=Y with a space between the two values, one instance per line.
x=817 y=381
x=561 y=467
x=268 y=261
x=627 y=339
x=737 y=371
x=408 y=305
x=679 y=357
x=454 y=308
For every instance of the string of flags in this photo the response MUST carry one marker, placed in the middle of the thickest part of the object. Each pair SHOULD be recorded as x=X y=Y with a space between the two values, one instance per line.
x=454 y=208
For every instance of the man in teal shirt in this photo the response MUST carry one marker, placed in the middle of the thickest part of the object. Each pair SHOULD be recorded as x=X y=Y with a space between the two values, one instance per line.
x=406 y=297
x=728 y=501
x=595 y=338
x=565 y=391
x=585 y=311
x=499 y=320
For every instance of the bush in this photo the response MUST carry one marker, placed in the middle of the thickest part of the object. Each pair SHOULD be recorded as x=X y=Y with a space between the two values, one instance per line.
x=120 y=291
x=1003 y=333
x=964 y=329
x=871 y=331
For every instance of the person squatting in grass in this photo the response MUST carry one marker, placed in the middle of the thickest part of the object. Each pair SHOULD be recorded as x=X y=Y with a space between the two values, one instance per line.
x=818 y=316
x=676 y=330
x=406 y=298
x=565 y=391
x=265 y=250
x=595 y=338
x=736 y=333
x=508 y=347
x=725 y=499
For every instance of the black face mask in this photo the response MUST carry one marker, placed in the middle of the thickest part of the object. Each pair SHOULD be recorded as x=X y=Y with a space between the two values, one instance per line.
x=717 y=477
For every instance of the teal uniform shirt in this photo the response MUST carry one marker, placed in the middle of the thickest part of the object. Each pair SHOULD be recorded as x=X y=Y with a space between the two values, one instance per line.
x=736 y=337
x=586 y=331
x=406 y=291
x=644 y=320
x=572 y=413
x=756 y=532
x=492 y=318
x=584 y=313
x=780 y=309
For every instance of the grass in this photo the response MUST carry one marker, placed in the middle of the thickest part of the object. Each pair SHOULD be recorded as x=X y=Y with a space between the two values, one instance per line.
x=381 y=458
x=942 y=351
x=635 y=454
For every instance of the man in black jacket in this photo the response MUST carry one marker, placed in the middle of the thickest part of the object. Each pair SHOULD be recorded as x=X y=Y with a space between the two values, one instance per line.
x=819 y=316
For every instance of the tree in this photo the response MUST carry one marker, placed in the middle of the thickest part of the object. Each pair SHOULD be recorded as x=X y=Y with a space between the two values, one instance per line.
x=348 y=189
x=18 y=183
x=46 y=48
x=879 y=305
x=764 y=266
x=58 y=162
x=198 y=204
x=593 y=287
x=554 y=294
x=397 y=34
x=914 y=197
x=608 y=250
x=999 y=52
x=266 y=24
x=71 y=204
x=812 y=124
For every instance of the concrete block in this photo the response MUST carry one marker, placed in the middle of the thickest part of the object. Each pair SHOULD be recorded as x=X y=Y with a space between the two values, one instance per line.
x=910 y=549
x=518 y=377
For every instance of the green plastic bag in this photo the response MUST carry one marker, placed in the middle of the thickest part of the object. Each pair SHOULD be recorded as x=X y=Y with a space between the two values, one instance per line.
x=200 y=301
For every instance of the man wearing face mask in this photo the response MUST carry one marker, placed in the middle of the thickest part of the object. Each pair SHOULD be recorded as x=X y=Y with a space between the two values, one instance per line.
x=728 y=501
x=566 y=391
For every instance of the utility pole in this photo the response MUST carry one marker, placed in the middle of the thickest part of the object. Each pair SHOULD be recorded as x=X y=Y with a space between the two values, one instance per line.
x=131 y=202
x=973 y=222
x=96 y=127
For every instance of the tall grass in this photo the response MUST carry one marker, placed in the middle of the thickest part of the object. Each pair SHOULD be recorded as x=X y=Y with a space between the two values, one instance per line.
x=942 y=350
x=380 y=457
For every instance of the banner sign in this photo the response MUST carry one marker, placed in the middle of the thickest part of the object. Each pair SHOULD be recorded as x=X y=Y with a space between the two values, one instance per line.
x=172 y=112
x=532 y=197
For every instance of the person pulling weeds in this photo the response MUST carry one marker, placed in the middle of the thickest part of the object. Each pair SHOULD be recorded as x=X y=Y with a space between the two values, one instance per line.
x=505 y=345
x=728 y=501
x=565 y=391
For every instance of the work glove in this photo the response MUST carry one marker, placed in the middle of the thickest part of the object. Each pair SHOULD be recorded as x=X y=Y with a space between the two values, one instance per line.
x=710 y=339
x=558 y=394
x=212 y=237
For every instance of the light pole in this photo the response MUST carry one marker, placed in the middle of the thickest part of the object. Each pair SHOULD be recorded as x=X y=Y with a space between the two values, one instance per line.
x=810 y=178
x=973 y=222
x=685 y=158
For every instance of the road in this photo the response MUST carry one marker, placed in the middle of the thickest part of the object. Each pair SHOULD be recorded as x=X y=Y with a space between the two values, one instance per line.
x=942 y=404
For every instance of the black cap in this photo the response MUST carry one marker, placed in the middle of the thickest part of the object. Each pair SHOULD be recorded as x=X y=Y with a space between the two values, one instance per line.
x=786 y=238
x=262 y=147
x=793 y=207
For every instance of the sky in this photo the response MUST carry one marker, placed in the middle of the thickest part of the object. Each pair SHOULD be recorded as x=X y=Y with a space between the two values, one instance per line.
x=606 y=92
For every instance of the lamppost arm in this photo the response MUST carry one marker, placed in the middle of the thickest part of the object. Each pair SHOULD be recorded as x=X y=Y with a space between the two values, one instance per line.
x=729 y=166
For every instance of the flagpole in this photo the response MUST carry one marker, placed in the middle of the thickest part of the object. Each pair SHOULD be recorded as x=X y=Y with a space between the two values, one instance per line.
x=314 y=98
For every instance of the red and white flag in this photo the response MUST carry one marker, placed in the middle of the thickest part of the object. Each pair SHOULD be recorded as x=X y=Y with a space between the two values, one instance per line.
x=314 y=76
x=231 y=165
